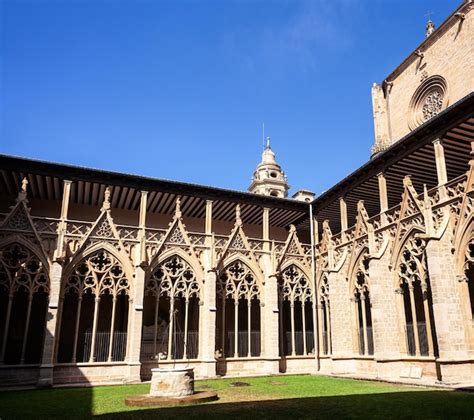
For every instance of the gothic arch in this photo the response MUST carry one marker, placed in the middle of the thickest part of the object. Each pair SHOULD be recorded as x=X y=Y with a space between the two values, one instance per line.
x=172 y=296
x=413 y=286
x=353 y=268
x=296 y=301
x=359 y=290
x=289 y=262
x=181 y=253
x=35 y=249
x=24 y=295
x=124 y=260
x=239 y=290
x=251 y=265
x=397 y=252
x=97 y=280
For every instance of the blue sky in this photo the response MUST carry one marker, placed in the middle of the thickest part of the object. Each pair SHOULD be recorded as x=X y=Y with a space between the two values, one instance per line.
x=179 y=89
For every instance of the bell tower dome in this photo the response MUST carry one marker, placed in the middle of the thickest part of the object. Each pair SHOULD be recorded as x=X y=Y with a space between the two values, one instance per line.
x=268 y=178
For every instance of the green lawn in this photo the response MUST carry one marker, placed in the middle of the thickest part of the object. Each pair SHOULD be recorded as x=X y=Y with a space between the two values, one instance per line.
x=293 y=397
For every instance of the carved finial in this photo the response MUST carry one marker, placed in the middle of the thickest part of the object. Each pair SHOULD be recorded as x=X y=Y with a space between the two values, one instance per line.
x=238 y=220
x=106 y=202
x=327 y=228
x=24 y=184
x=292 y=228
x=407 y=181
x=177 y=210
x=430 y=28
x=22 y=192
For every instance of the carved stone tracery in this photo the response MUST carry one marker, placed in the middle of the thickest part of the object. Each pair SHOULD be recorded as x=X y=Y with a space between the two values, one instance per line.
x=99 y=273
x=173 y=278
x=238 y=282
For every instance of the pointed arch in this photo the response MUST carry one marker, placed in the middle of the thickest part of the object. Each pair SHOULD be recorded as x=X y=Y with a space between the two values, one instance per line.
x=412 y=284
x=24 y=291
x=361 y=253
x=400 y=245
x=296 y=299
x=190 y=259
x=79 y=256
x=34 y=248
x=172 y=296
x=97 y=280
x=251 y=265
x=238 y=294
x=359 y=290
x=289 y=262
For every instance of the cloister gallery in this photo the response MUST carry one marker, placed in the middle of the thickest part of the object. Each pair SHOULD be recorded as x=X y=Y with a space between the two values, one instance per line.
x=103 y=275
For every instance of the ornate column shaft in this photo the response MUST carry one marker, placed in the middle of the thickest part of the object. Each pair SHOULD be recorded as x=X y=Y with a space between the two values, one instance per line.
x=135 y=319
x=208 y=308
x=440 y=166
x=53 y=321
x=270 y=309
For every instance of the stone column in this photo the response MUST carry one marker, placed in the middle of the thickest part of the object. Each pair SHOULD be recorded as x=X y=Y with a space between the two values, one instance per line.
x=51 y=336
x=383 y=196
x=208 y=308
x=269 y=319
x=447 y=306
x=52 y=329
x=343 y=214
x=135 y=319
x=440 y=166
x=207 y=331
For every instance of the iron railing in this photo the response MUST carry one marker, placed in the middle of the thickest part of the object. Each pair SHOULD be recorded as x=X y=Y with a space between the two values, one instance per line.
x=102 y=342
x=242 y=345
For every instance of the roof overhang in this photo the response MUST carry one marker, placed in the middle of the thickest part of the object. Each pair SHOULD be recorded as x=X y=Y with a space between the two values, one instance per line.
x=45 y=183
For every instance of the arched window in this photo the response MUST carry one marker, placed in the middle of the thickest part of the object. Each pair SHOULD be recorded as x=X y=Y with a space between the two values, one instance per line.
x=296 y=313
x=24 y=290
x=95 y=307
x=238 y=320
x=325 y=317
x=363 y=309
x=417 y=305
x=171 y=312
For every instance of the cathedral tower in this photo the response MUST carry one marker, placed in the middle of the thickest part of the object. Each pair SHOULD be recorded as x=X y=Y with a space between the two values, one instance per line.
x=268 y=178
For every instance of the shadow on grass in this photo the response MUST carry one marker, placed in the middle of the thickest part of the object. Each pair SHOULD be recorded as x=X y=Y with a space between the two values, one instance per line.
x=416 y=405
x=79 y=403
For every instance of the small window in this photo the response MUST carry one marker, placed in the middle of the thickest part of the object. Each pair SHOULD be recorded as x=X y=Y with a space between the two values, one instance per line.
x=274 y=193
x=273 y=174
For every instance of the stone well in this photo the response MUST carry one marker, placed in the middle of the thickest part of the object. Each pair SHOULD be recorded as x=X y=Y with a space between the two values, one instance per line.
x=172 y=382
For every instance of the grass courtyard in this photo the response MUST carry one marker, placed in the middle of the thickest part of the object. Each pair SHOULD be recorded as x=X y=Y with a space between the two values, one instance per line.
x=274 y=397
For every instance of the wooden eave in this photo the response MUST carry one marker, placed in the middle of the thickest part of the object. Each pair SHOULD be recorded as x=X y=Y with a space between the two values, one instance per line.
x=45 y=183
